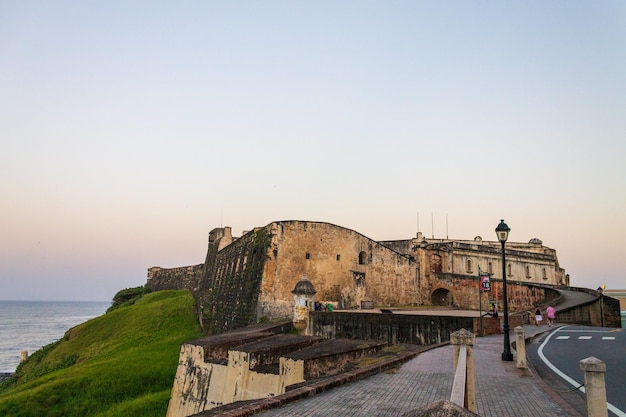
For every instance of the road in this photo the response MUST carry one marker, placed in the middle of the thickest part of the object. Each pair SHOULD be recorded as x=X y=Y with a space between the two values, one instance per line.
x=561 y=351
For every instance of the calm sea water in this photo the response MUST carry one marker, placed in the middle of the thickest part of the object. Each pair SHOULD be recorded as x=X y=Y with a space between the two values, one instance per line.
x=29 y=325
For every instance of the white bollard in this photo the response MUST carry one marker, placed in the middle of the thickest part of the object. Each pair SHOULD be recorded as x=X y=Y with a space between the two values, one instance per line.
x=520 y=347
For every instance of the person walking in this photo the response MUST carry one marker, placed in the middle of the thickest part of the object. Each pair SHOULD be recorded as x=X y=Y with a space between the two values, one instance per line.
x=538 y=317
x=551 y=312
x=493 y=312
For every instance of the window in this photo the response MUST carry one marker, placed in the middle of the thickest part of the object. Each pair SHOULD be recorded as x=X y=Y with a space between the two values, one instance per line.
x=468 y=265
x=435 y=263
x=359 y=278
x=490 y=268
x=308 y=255
x=338 y=257
x=544 y=273
x=362 y=258
x=527 y=271
x=510 y=271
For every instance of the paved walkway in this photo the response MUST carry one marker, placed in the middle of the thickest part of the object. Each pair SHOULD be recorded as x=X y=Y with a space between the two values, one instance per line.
x=502 y=389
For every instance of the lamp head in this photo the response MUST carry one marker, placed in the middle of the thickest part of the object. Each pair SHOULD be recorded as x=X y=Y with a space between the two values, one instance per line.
x=502 y=231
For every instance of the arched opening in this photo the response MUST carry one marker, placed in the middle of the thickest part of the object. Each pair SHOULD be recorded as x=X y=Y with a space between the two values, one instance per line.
x=442 y=297
x=362 y=258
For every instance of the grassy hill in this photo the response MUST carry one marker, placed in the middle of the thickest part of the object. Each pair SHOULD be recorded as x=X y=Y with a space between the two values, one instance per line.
x=122 y=363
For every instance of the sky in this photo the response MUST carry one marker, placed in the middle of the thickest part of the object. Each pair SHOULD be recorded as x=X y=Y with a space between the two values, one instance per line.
x=130 y=129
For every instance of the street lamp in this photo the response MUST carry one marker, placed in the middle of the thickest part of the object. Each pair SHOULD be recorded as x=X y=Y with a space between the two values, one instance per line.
x=502 y=231
x=601 y=291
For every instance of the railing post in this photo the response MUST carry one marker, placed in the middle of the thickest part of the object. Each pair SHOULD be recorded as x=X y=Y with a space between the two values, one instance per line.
x=465 y=337
x=595 y=389
x=520 y=347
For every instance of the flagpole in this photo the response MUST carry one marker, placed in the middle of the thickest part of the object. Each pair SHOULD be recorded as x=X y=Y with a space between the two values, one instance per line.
x=480 y=302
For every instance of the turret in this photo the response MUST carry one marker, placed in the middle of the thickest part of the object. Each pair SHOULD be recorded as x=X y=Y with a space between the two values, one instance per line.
x=303 y=303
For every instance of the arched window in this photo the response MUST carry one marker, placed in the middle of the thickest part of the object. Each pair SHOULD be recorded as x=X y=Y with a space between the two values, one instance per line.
x=545 y=274
x=490 y=268
x=527 y=271
x=468 y=265
x=510 y=271
x=362 y=258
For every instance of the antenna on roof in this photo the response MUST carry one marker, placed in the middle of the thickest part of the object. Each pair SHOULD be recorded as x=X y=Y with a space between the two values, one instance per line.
x=432 y=224
x=446 y=226
x=418 y=222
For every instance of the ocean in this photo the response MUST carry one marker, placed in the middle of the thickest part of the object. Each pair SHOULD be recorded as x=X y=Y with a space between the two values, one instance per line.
x=30 y=325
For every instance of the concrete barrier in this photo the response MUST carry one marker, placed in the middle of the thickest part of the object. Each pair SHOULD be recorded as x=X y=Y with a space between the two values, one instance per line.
x=520 y=347
x=595 y=387
x=464 y=386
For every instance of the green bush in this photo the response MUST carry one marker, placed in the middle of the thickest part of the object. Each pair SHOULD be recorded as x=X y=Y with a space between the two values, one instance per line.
x=119 y=364
x=127 y=296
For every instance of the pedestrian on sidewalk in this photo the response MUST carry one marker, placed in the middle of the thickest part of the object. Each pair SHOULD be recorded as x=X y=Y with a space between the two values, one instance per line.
x=551 y=312
x=538 y=317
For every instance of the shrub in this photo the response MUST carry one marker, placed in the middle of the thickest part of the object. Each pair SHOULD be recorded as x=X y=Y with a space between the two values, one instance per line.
x=128 y=296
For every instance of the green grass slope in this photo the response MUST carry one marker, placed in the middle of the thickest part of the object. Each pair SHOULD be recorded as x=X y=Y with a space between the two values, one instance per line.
x=122 y=363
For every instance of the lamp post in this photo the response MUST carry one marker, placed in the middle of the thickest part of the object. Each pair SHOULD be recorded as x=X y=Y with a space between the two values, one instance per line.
x=601 y=291
x=502 y=231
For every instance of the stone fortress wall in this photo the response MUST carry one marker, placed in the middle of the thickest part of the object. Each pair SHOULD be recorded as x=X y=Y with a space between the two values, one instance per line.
x=181 y=278
x=249 y=279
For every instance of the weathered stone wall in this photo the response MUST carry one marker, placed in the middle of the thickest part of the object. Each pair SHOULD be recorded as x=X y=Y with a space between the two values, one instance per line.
x=619 y=295
x=604 y=311
x=181 y=278
x=527 y=262
x=464 y=291
x=253 y=363
x=230 y=288
x=390 y=328
x=610 y=308
x=344 y=266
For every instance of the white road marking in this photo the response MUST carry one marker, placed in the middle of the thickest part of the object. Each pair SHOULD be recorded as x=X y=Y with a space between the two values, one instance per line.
x=586 y=331
x=584 y=337
x=562 y=337
x=611 y=407
x=608 y=337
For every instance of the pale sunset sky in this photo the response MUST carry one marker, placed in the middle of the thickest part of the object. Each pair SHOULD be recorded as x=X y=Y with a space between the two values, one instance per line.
x=130 y=129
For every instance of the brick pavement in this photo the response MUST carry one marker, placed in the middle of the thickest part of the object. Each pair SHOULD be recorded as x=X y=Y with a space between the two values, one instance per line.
x=502 y=389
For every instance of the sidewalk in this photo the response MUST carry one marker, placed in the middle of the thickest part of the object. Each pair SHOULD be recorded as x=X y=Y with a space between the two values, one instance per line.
x=502 y=389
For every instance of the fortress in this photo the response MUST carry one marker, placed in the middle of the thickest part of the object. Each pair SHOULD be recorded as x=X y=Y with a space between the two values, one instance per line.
x=283 y=269
x=249 y=279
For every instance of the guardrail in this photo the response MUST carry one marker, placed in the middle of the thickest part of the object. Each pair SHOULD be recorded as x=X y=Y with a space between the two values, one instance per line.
x=464 y=385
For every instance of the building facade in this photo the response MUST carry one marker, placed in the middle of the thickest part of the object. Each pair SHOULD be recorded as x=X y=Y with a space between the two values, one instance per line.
x=249 y=279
